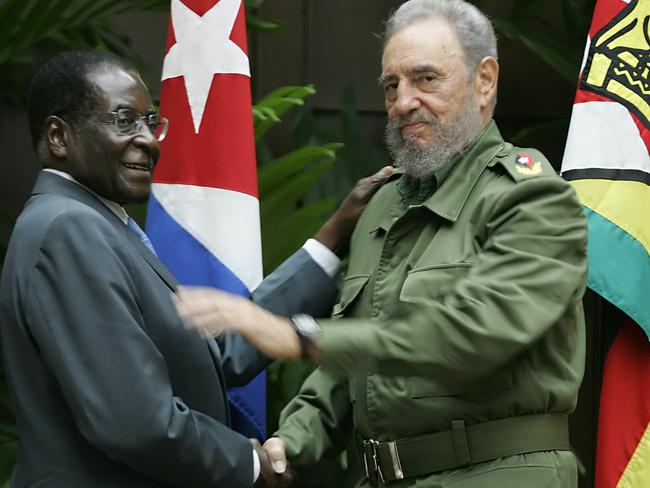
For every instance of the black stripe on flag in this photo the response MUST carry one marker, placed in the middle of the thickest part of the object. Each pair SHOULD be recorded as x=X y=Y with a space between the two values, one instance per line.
x=607 y=174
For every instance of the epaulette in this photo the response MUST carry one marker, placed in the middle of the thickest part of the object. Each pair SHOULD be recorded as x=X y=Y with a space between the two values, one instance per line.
x=522 y=163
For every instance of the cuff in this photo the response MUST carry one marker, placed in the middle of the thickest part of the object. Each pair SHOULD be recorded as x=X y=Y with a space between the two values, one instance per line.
x=256 y=466
x=323 y=257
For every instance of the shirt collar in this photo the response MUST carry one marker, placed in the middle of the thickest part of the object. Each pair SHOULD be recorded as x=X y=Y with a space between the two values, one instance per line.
x=450 y=197
x=114 y=207
x=416 y=191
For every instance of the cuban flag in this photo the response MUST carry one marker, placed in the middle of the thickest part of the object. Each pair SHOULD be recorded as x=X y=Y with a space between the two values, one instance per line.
x=607 y=160
x=203 y=216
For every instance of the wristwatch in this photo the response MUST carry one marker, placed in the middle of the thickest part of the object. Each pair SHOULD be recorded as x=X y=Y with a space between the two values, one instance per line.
x=308 y=332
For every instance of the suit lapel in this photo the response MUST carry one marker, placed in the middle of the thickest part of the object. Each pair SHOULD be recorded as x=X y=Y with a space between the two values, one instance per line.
x=52 y=183
x=151 y=259
x=215 y=351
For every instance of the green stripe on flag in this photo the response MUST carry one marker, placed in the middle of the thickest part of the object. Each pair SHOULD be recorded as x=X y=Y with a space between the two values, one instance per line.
x=619 y=268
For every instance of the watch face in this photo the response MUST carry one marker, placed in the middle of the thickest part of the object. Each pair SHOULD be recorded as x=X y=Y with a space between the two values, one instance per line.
x=306 y=325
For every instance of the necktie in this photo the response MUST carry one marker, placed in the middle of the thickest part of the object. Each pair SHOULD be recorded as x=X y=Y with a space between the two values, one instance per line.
x=133 y=225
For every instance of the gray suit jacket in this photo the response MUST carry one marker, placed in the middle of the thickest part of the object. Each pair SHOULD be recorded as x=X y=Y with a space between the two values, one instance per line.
x=110 y=389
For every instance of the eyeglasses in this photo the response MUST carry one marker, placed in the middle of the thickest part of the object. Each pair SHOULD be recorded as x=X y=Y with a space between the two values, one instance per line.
x=129 y=122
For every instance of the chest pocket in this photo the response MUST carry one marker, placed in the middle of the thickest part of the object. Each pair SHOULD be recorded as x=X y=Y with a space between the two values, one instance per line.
x=432 y=282
x=352 y=287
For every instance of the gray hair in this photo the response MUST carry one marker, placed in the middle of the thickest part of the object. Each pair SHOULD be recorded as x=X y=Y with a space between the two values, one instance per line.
x=473 y=29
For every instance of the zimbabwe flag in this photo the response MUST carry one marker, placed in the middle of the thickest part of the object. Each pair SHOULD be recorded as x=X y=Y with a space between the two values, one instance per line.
x=608 y=163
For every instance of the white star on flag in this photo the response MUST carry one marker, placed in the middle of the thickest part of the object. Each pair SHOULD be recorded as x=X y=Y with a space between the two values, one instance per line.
x=203 y=48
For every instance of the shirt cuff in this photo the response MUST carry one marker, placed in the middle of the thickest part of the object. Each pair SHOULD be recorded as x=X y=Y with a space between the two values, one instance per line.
x=256 y=466
x=323 y=257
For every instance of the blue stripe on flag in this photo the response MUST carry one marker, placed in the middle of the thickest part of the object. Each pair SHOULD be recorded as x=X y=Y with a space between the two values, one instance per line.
x=189 y=261
x=192 y=264
x=249 y=408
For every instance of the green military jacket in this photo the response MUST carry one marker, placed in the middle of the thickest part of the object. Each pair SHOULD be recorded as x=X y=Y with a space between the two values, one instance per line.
x=466 y=306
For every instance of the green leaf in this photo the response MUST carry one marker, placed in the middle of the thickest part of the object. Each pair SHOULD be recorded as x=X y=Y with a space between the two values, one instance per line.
x=291 y=191
x=31 y=24
x=10 y=14
x=278 y=102
x=254 y=22
x=554 y=53
x=31 y=31
x=253 y=4
x=282 y=235
x=258 y=115
x=285 y=98
x=265 y=114
x=55 y=23
x=273 y=175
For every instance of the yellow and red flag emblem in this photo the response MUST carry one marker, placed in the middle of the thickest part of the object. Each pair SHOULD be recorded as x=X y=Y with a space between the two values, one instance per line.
x=608 y=163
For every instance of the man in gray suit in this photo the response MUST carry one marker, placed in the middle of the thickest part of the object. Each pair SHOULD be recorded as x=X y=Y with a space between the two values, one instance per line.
x=110 y=389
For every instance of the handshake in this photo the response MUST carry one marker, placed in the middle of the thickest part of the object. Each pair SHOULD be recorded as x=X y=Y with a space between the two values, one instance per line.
x=274 y=468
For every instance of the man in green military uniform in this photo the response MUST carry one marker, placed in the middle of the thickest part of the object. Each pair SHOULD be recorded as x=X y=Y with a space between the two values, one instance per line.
x=457 y=346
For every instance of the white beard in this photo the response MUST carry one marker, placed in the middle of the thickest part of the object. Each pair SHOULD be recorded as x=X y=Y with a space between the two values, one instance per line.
x=421 y=161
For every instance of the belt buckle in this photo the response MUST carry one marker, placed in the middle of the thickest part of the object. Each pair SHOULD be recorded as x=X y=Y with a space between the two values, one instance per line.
x=375 y=463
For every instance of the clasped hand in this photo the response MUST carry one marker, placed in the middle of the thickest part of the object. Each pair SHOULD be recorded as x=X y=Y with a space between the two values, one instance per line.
x=275 y=471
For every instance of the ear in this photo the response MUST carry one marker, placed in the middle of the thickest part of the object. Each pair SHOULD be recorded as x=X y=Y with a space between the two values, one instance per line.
x=57 y=136
x=487 y=76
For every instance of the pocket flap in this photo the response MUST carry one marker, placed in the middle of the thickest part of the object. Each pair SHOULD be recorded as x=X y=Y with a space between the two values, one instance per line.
x=432 y=282
x=352 y=286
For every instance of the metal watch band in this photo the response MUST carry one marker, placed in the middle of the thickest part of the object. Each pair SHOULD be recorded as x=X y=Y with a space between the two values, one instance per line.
x=308 y=331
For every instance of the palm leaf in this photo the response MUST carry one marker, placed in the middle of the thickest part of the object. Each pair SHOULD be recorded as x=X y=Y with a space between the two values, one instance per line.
x=271 y=176
x=553 y=52
x=32 y=30
x=268 y=111
x=288 y=194
x=254 y=22
x=282 y=235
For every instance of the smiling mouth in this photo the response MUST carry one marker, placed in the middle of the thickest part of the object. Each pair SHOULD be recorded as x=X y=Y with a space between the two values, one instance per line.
x=414 y=125
x=139 y=167
x=410 y=130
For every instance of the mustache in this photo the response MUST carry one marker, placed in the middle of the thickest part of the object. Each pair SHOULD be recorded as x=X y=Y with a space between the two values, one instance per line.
x=416 y=117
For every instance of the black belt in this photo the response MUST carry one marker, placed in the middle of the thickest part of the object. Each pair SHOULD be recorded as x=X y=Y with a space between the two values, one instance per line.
x=464 y=445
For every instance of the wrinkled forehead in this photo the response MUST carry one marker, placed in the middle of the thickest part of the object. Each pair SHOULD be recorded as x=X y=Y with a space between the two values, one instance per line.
x=116 y=88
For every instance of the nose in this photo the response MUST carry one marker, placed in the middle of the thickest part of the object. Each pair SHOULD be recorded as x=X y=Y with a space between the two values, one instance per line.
x=407 y=100
x=147 y=142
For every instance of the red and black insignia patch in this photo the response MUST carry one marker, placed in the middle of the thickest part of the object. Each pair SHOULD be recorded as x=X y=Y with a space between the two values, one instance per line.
x=526 y=165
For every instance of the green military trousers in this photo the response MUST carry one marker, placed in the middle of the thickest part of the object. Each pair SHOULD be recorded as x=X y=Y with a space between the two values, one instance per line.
x=548 y=469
